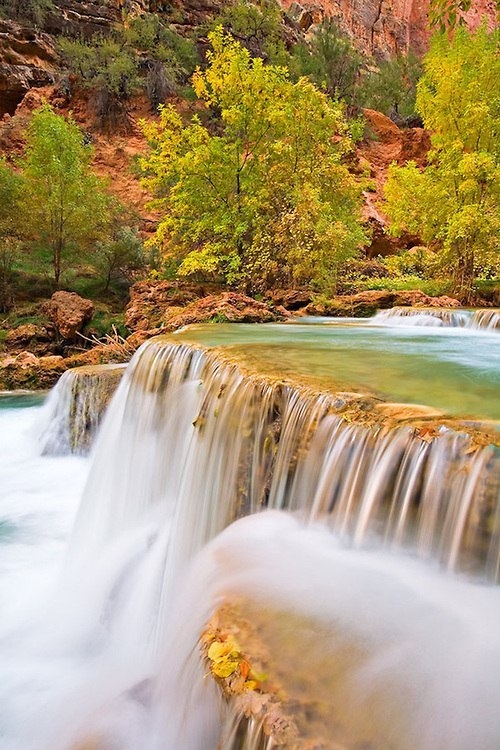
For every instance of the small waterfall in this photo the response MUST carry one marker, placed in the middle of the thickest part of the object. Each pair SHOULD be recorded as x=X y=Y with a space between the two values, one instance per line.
x=489 y=319
x=486 y=319
x=197 y=444
x=75 y=408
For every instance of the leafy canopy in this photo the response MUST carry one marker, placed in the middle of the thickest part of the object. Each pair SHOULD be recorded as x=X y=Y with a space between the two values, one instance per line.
x=263 y=197
x=65 y=206
x=454 y=202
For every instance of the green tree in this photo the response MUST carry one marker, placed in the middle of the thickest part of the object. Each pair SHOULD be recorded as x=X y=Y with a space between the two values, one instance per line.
x=10 y=194
x=118 y=256
x=330 y=61
x=392 y=87
x=65 y=206
x=258 y=26
x=266 y=199
x=454 y=202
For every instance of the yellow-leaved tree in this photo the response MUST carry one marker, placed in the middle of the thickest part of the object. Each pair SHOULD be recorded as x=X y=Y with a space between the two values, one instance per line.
x=454 y=203
x=261 y=196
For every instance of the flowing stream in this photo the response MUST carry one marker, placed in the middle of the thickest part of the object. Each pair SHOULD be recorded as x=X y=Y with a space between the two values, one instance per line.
x=365 y=556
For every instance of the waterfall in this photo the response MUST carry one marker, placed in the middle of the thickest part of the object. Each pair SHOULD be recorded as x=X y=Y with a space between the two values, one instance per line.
x=75 y=408
x=209 y=483
x=198 y=442
x=487 y=319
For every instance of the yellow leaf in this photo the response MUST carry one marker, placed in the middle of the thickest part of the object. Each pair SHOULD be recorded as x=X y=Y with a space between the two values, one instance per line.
x=224 y=668
x=218 y=651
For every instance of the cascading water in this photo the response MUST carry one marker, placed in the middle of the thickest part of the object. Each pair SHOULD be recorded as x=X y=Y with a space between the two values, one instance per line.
x=251 y=445
x=189 y=445
x=486 y=319
x=75 y=408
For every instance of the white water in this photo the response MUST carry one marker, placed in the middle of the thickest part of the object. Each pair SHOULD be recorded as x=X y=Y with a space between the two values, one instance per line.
x=38 y=501
x=487 y=319
x=98 y=649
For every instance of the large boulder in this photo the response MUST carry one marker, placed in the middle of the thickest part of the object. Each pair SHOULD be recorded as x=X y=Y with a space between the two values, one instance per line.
x=69 y=313
x=229 y=307
x=149 y=301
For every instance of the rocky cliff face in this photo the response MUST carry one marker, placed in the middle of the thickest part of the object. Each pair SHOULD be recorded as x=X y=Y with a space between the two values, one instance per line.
x=27 y=60
x=382 y=28
x=83 y=19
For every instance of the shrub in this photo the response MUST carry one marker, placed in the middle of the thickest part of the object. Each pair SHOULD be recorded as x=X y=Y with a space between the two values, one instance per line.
x=331 y=62
x=392 y=87
x=109 y=70
x=27 y=11
x=118 y=257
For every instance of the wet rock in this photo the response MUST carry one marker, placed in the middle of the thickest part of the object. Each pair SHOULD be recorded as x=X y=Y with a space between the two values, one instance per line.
x=69 y=313
x=408 y=412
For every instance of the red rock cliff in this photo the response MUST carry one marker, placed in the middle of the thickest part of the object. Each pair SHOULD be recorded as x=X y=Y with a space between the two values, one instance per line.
x=385 y=27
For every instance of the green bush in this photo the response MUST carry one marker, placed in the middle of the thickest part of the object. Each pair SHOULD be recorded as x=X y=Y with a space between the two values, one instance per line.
x=27 y=11
x=117 y=258
x=392 y=87
x=109 y=70
x=419 y=261
x=331 y=62
x=432 y=287
x=146 y=53
x=257 y=27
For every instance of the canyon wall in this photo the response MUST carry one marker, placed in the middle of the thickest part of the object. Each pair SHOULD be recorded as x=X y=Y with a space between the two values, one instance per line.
x=382 y=27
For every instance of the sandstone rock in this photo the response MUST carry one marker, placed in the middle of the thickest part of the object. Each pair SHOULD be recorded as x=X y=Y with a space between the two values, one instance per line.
x=150 y=299
x=379 y=27
x=69 y=312
x=38 y=339
x=18 y=371
x=415 y=145
x=27 y=60
x=83 y=19
x=228 y=307
x=28 y=371
x=366 y=304
x=289 y=299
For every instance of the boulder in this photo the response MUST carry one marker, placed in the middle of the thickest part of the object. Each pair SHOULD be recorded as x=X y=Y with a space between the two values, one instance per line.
x=150 y=299
x=29 y=371
x=38 y=339
x=290 y=299
x=69 y=313
x=229 y=307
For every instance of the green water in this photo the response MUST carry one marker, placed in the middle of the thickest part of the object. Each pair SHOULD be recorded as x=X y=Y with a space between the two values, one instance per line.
x=21 y=399
x=453 y=369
